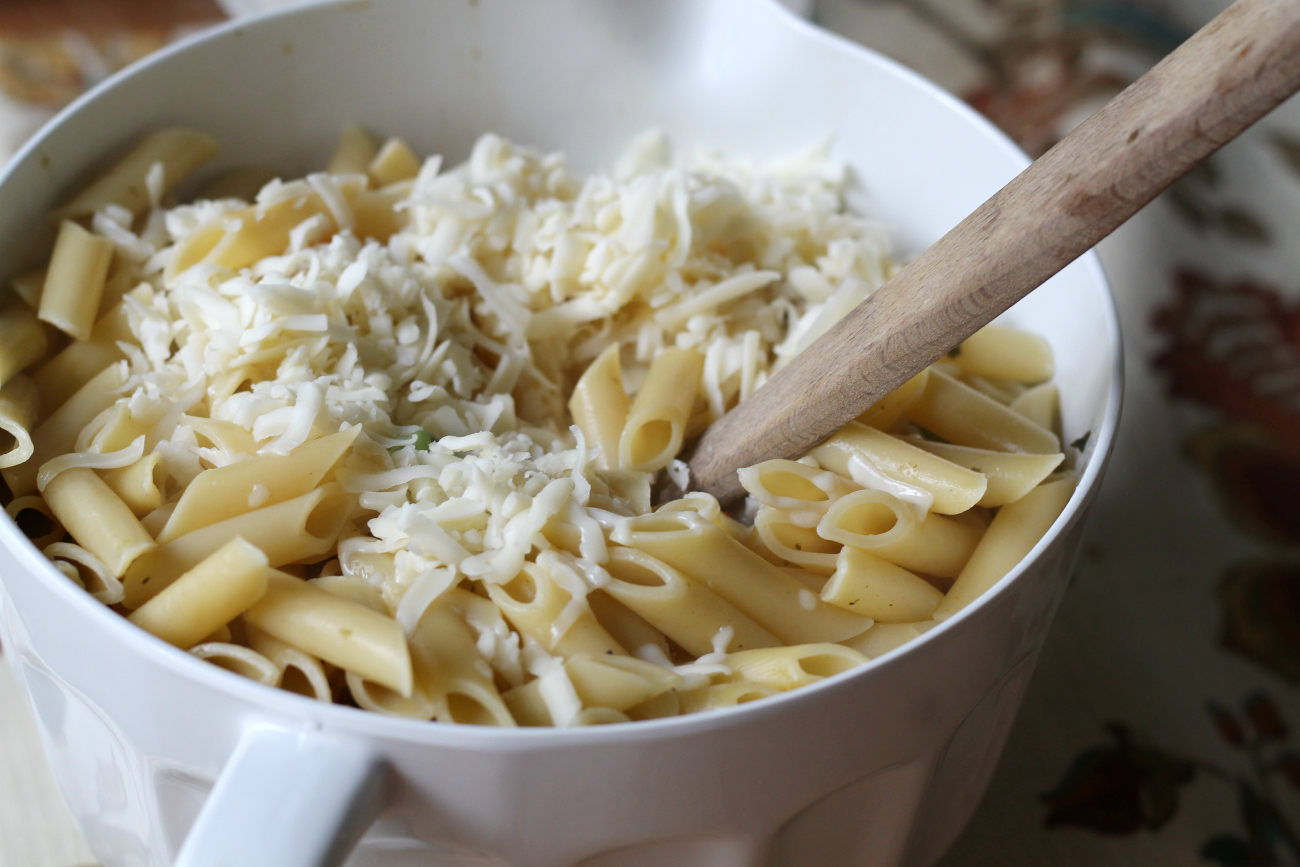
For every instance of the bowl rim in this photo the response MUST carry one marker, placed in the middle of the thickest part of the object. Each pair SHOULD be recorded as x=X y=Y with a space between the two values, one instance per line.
x=355 y=721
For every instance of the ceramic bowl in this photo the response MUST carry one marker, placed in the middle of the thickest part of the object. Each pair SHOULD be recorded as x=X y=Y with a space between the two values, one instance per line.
x=880 y=766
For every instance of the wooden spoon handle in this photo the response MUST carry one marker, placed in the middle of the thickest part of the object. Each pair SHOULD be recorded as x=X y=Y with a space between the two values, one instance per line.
x=1223 y=79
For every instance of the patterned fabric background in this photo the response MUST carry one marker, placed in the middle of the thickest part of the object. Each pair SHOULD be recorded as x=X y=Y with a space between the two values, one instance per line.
x=1163 y=724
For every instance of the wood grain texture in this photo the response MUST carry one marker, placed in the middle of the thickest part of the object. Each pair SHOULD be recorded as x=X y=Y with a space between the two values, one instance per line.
x=1227 y=76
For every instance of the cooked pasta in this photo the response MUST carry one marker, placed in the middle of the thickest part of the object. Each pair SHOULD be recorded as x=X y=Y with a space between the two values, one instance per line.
x=387 y=434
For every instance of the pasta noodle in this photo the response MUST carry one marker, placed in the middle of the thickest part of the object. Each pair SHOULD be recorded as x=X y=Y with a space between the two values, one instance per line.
x=22 y=339
x=387 y=434
x=19 y=404
x=354 y=152
x=74 y=281
x=178 y=151
x=227 y=583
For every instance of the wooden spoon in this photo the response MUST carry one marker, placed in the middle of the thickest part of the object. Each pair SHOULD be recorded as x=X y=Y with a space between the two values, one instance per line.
x=1222 y=80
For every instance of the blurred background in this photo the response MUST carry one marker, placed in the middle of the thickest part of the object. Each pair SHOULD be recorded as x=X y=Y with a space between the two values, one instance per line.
x=1158 y=728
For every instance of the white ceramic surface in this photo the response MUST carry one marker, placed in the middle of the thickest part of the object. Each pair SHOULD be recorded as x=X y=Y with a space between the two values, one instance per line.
x=881 y=766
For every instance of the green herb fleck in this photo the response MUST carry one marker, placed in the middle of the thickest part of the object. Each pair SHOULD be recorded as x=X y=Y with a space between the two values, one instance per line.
x=1082 y=442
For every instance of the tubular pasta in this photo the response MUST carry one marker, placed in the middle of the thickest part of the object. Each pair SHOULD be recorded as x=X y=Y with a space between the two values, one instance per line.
x=240 y=660
x=954 y=488
x=964 y=417
x=877 y=522
x=310 y=680
x=356 y=148
x=97 y=518
x=688 y=613
x=221 y=493
x=1014 y=532
x=797 y=544
x=875 y=588
x=722 y=695
x=140 y=485
x=303 y=528
x=81 y=361
x=224 y=585
x=785 y=668
x=393 y=163
x=657 y=420
x=532 y=601
x=74 y=281
x=891 y=408
x=92 y=573
x=35 y=519
x=57 y=435
x=450 y=672
x=179 y=151
x=315 y=431
x=599 y=406
x=22 y=339
x=1041 y=405
x=19 y=404
x=713 y=559
x=999 y=352
x=331 y=628
x=1010 y=476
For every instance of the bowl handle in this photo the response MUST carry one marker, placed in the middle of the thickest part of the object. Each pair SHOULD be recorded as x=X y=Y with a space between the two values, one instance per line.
x=288 y=799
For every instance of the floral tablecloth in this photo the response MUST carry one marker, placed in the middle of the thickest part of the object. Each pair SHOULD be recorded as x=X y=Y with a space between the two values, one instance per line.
x=1159 y=726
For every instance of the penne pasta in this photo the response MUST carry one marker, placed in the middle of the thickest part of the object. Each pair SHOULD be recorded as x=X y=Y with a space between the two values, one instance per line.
x=224 y=585
x=303 y=528
x=1010 y=476
x=449 y=671
x=793 y=543
x=97 y=518
x=1015 y=531
x=34 y=518
x=140 y=485
x=65 y=374
x=87 y=570
x=793 y=486
x=711 y=558
x=999 y=352
x=331 y=628
x=718 y=696
x=962 y=416
x=22 y=340
x=880 y=524
x=624 y=625
x=74 y=281
x=178 y=151
x=884 y=637
x=19 y=405
x=394 y=162
x=1041 y=405
x=314 y=430
x=890 y=409
x=615 y=683
x=656 y=423
x=242 y=182
x=299 y=672
x=240 y=660
x=356 y=149
x=785 y=668
x=532 y=601
x=599 y=407
x=951 y=488
x=225 y=492
x=28 y=287
x=871 y=587
x=688 y=613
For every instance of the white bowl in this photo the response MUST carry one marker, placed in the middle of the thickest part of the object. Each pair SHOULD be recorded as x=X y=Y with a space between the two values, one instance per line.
x=879 y=766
